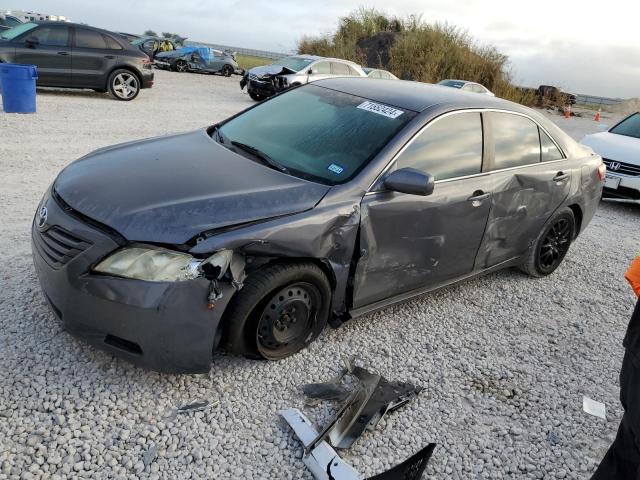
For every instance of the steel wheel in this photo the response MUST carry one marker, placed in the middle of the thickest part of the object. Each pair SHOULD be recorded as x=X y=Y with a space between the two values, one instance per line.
x=125 y=85
x=181 y=66
x=555 y=245
x=288 y=320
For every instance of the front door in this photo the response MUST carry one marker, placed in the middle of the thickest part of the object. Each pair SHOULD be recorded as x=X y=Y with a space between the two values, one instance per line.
x=528 y=183
x=410 y=242
x=49 y=49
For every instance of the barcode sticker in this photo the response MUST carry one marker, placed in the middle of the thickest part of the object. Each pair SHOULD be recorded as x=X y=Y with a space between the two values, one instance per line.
x=380 y=109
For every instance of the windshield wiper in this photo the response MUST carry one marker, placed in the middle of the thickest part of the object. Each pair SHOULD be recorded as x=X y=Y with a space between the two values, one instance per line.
x=260 y=155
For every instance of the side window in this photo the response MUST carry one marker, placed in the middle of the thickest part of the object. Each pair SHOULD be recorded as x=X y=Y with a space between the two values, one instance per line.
x=549 y=150
x=339 y=68
x=322 y=68
x=384 y=75
x=451 y=147
x=51 y=36
x=516 y=140
x=111 y=43
x=467 y=87
x=478 y=88
x=89 y=39
x=352 y=71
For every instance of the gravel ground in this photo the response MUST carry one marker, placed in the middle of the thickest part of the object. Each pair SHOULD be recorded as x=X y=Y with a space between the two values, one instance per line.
x=504 y=359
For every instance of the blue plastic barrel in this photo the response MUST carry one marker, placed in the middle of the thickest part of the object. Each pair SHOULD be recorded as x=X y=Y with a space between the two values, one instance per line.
x=18 y=87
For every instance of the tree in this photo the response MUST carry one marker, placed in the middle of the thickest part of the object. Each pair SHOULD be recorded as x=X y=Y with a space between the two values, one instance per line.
x=150 y=33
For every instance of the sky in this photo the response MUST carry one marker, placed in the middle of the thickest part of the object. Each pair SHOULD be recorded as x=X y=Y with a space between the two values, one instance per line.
x=590 y=47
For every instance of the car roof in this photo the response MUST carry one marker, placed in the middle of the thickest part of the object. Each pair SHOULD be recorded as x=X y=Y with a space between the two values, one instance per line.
x=415 y=96
x=71 y=24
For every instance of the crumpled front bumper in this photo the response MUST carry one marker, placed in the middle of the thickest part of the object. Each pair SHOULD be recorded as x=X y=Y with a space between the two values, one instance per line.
x=163 y=326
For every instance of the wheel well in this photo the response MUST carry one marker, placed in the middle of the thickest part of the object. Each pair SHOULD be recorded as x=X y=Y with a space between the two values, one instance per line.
x=124 y=67
x=322 y=264
x=577 y=213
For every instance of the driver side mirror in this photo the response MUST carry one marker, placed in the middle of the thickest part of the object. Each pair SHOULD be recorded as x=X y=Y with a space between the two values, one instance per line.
x=31 y=41
x=312 y=71
x=409 y=180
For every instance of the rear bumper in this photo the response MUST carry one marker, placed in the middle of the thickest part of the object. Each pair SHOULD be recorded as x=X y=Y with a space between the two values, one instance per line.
x=163 y=326
x=147 y=79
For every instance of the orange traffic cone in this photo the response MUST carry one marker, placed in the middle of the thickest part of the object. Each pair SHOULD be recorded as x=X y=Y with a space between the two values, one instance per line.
x=597 y=117
x=567 y=111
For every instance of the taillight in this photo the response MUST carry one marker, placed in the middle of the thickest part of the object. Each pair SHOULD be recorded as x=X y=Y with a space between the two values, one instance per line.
x=602 y=172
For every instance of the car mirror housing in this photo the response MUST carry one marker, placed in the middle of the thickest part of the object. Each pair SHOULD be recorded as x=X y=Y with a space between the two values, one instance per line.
x=411 y=181
x=32 y=41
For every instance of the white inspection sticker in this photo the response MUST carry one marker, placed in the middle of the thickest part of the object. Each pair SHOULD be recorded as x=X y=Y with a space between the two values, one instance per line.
x=380 y=109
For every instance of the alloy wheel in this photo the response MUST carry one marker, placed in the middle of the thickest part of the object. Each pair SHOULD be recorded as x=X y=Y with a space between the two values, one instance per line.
x=555 y=245
x=181 y=66
x=125 y=85
x=288 y=320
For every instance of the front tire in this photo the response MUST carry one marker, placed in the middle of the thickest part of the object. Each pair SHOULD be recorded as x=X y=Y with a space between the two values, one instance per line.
x=551 y=245
x=124 y=85
x=283 y=307
x=227 y=70
x=256 y=96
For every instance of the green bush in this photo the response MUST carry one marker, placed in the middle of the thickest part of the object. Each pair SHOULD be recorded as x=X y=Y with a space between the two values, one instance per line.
x=413 y=49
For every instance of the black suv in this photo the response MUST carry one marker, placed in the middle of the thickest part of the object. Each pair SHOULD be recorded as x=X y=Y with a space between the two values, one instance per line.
x=78 y=56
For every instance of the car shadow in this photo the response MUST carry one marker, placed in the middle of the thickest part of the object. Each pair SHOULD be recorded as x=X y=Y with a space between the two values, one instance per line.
x=70 y=92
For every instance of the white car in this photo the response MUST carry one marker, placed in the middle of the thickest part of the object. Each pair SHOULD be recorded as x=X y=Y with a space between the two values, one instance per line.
x=619 y=148
x=467 y=86
x=379 y=73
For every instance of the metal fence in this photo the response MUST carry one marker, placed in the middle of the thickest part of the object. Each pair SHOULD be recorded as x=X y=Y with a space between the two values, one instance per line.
x=242 y=51
x=597 y=101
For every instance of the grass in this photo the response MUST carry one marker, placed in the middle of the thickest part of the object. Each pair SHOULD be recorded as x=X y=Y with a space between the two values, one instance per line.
x=248 y=61
x=413 y=49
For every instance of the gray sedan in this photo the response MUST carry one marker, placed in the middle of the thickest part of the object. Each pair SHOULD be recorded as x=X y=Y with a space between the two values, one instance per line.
x=317 y=206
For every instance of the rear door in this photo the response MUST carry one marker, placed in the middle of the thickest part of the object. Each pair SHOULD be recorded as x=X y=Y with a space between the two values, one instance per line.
x=410 y=242
x=93 y=56
x=530 y=180
x=51 y=53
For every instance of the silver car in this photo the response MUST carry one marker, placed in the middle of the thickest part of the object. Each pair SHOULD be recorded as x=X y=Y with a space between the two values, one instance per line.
x=467 y=86
x=265 y=81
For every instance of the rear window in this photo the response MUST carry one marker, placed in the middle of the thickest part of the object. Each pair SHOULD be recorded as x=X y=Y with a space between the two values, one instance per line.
x=516 y=140
x=89 y=39
x=339 y=69
x=316 y=133
x=629 y=127
x=550 y=151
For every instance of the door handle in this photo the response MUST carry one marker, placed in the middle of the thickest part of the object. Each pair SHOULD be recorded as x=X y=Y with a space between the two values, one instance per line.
x=64 y=54
x=478 y=197
x=560 y=176
x=110 y=57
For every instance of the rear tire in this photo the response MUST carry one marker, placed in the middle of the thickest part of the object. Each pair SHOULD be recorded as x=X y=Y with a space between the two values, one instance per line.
x=552 y=244
x=180 y=66
x=283 y=307
x=124 y=85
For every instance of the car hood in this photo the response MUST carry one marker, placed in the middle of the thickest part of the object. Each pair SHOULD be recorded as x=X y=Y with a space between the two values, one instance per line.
x=615 y=147
x=267 y=70
x=170 y=189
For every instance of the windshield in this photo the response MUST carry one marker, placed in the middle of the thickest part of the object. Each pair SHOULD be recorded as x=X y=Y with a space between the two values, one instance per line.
x=294 y=63
x=316 y=133
x=18 y=30
x=629 y=127
x=452 y=83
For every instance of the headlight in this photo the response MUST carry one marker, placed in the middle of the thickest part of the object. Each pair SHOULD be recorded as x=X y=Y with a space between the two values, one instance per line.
x=161 y=265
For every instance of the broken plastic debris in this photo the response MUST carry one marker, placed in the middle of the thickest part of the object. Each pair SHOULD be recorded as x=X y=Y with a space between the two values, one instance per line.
x=192 y=407
x=325 y=464
x=597 y=409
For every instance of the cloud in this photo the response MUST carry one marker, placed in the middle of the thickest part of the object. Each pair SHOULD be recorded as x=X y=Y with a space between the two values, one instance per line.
x=582 y=47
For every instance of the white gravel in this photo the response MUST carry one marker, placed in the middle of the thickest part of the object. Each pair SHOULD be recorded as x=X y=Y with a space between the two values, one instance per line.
x=504 y=359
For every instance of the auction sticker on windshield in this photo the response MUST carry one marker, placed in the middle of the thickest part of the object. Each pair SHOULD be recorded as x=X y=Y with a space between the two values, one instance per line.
x=380 y=109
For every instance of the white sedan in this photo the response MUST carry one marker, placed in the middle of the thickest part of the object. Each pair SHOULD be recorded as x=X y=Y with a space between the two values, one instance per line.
x=620 y=150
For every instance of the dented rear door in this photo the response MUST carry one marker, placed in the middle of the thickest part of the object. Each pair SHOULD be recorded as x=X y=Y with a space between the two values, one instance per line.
x=528 y=185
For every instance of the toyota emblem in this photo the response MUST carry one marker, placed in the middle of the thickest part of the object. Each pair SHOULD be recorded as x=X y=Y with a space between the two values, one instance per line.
x=615 y=166
x=42 y=217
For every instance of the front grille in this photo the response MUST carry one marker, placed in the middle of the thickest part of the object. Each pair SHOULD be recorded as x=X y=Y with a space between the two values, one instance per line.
x=58 y=246
x=625 y=168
